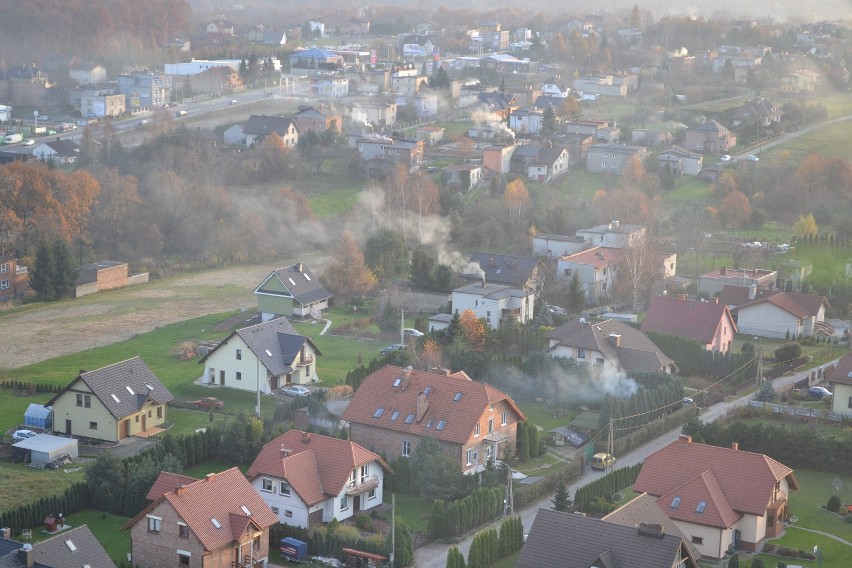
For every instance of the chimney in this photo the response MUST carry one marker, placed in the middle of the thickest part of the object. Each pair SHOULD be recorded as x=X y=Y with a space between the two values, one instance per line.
x=649 y=529
x=210 y=476
x=483 y=280
x=735 y=446
x=25 y=555
x=422 y=405
x=285 y=451
x=615 y=339
x=685 y=439
x=300 y=267
x=306 y=438
x=714 y=300
x=752 y=291
x=681 y=297
x=723 y=271
x=754 y=271
x=6 y=533
x=180 y=490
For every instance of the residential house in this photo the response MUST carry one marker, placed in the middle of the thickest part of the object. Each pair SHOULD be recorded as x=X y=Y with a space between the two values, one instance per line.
x=82 y=73
x=596 y=269
x=498 y=158
x=680 y=161
x=262 y=358
x=629 y=35
x=652 y=138
x=234 y=136
x=841 y=378
x=144 y=90
x=712 y=282
x=566 y=540
x=425 y=105
x=213 y=522
x=259 y=127
x=496 y=102
x=255 y=34
x=308 y=479
x=710 y=324
x=710 y=138
x=98 y=101
x=381 y=154
x=462 y=177
x=609 y=342
x=317 y=27
x=14 y=279
x=416 y=45
x=554 y=90
x=644 y=509
x=382 y=115
x=395 y=408
x=801 y=82
x=601 y=130
x=333 y=87
x=611 y=158
x=494 y=302
x=59 y=151
x=71 y=548
x=178 y=44
x=550 y=162
x=431 y=135
x=315 y=58
x=526 y=120
x=220 y=26
x=774 y=313
x=291 y=291
x=25 y=85
x=506 y=63
x=523 y=272
x=613 y=235
x=407 y=81
x=760 y=110
x=578 y=146
x=723 y=499
x=5 y=113
x=793 y=273
x=317 y=118
x=553 y=246
x=604 y=86
x=112 y=403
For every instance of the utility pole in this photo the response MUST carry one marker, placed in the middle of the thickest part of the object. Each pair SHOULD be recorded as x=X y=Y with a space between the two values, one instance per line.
x=393 y=528
x=609 y=445
x=401 y=327
x=759 y=362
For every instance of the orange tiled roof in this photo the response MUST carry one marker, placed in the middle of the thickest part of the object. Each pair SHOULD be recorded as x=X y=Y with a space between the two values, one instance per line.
x=167 y=481
x=685 y=503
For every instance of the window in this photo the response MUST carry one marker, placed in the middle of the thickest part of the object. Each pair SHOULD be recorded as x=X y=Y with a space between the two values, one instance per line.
x=567 y=272
x=87 y=400
x=266 y=484
x=697 y=540
x=284 y=488
x=476 y=430
x=239 y=376
x=274 y=510
x=701 y=506
x=490 y=426
x=79 y=399
x=93 y=425
x=344 y=502
x=457 y=397
x=599 y=361
x=379 y=412
x=409 y=419
x=288 y=513
x=394 y=415
x=183 y=558
x=406 y=448
x=675 y=503
x=441 y=425
x=159 y=412
x=149 y=414
x=849 y=404
x=469 y=455
x=239 y=354
x=491 y=407
x=183 y=530
x=581 y=353
x=505 y=418
x=371 y=494
x=154 y=523
x=4 y=284
x=432 y=420
x=4 y=268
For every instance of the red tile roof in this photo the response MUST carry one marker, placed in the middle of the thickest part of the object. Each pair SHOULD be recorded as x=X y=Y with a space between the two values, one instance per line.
x=746 y=479
x=315 y=466
x=219 y=496
x=842 y=373
x=599 y=257
x=691 y=319
x=378 y=391
x=167 y=481
x=684 y=503
x=800 y=305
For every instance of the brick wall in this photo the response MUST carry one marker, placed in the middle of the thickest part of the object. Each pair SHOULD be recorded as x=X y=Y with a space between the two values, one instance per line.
x=112 y=277
x=156 y=550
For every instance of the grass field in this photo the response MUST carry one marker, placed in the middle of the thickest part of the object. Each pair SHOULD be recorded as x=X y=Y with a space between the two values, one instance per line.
x=13 y=405
x=21 y=484
x=413 y=510
x=105 y=526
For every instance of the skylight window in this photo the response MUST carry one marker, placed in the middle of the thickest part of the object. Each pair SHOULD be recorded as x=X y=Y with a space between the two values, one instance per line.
x=457 y=397
x=675 y=503
x=130 y=390
x=115 y=398
x=701 y=506
x=397 y=382
x=71 y=546
x=409 y=419
x=429 y=424
x=395 y=415
x=427 y=390
x=216 y=523
x=268 y=352
x=379 y=412
x=291 y=281
x=149 y=387
x=308 y=278
x=245 y=510
x=441 y=425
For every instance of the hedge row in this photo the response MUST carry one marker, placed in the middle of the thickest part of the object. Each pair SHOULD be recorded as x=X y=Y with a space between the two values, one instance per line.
x=523 y=495
x=31 y=387
x=72 y=500
x=605 y=487
x=456 y=518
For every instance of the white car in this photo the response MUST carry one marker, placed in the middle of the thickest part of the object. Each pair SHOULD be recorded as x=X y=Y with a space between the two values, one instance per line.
x=22 y=435
x=725 y=158
x=295 y=390
x=234 y=101
x=29 y=142
x=410 y=331
x=752 y=158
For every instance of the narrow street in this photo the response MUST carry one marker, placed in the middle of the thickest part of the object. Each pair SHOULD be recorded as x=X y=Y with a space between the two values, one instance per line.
x=435 y=555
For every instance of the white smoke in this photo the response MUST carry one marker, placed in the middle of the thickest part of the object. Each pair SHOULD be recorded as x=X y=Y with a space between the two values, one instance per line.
x=482 y=117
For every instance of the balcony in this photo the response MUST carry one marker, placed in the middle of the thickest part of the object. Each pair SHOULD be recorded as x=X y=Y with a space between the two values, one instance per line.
x=362 y=485
x=304 y=360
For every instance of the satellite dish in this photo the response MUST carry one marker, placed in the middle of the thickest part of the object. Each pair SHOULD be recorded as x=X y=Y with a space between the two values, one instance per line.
x=27 y=547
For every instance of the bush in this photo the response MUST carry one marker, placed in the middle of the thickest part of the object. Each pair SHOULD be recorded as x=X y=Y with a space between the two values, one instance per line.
x=769 y=547
x=833 y=504
x=758 y=561
x=364 y=522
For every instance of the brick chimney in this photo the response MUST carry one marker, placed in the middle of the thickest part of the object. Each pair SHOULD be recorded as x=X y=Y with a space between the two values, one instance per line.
x=306 y=438
x=735 y=446
x=285 y=451
x=422 y=405
x=25 y=556
x=714 y=300
x=300 y=267
x=180 y=490
x=685 y=439
x=210 y=476
x=681 y=297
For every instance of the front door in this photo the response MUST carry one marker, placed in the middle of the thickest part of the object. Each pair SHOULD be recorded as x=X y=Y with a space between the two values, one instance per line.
x=273 y=383
x=144 y=422
x=67 y=427
x=126 y=428
x=222 y=378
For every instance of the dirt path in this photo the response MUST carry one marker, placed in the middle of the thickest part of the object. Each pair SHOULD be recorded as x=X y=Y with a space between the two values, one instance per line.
x=39 y=332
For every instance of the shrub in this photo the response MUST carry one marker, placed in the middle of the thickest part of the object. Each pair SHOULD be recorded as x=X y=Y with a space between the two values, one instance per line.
x=769 y=547
x=758 y=561
x=787 y=551
x=782 y=565
x=833 y=504
x=364 y=522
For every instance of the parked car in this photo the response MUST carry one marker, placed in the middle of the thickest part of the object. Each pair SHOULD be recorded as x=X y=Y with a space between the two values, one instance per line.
x=752 y=158
x=819 y=392
x=410 y=331
x=556 y=310
x=602 y=461
x=688 y=400
x=29 y=142
x=725 y=158
x=295 y=390
x=234 y=101
x=22 y=435
x=209 y=403
x=142 y=122
x=388 y=349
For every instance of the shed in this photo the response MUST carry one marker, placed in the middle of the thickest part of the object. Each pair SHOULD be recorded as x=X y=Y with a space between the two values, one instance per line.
x=43 y=448
x=586 y=420
x=38 y=416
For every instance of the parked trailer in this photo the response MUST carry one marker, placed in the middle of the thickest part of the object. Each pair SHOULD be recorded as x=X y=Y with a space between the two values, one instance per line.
x=293 y=549
x=13 y=138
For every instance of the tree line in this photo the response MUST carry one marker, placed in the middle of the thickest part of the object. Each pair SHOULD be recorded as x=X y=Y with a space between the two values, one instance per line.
x=597 y=496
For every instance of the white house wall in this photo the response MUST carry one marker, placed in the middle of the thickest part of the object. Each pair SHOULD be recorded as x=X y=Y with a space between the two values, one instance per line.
x=752 y=528
x=590 y=357
x=224 y=359
x=283 y=503
x=842 y=400
x=714 y=541
x=767 y=320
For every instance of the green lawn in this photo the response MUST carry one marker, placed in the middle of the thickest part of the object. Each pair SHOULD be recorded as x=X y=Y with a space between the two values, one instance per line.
x=21 y=484
x=188 y=421
x=413 y=510
x=545 y=416
x=105 y=526
x=835 y=554
x=689 y=189
x=13 y=404
x=213 y=466
x=814 y=490
x=508 y=562
x=831 y=141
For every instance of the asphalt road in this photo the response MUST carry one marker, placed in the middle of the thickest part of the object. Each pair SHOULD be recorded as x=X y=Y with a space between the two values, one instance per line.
x=435 y=555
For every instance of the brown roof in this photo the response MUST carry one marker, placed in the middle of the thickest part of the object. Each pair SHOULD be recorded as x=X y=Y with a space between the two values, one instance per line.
x=635 y=351
x=315 y=466
x=220 y=497
x=746 y=479
x=167 y=481
x=800 y=305
x=395 y=391
x=644 y=509
x=842 y=373
x=685 y=503
x=599 y=257
x=691 y=319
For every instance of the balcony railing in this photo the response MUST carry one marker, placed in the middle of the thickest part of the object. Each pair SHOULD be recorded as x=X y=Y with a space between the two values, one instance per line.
x=362 y=485
x=306 y=360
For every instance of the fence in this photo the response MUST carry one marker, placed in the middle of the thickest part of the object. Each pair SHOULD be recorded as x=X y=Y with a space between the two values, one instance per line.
x=796 y=410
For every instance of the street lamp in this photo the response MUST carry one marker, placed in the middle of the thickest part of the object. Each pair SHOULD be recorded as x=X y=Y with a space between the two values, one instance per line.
x=818 y=553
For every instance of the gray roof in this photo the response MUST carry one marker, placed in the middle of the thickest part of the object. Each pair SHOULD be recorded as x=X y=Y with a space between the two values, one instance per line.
x=635 y=353
x=261 y=125
x=55 y=552
x=565 y=540
x=64 y=147
x=712 y=126
x=491 y=290
x=442 y=318
x=275 y=343
x=504 y=268
x=644 y=509
x=300 y=282
x=123 y=388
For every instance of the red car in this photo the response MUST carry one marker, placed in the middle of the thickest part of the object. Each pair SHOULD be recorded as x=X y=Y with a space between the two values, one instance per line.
x=209 y=403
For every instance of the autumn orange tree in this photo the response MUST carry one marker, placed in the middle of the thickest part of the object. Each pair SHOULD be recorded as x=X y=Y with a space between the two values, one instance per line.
x=348 y=275
x=473 y=330
x=735 y=209
x=517 y=199
x=431 y=355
